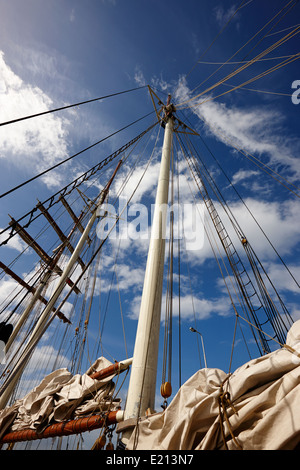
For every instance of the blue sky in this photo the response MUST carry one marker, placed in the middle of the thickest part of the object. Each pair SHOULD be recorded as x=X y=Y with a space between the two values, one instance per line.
x=65 y=51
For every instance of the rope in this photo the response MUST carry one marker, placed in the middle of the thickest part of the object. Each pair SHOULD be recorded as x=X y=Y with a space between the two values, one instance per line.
x=242 y=200
x=282 y=30
x=265 y=300
x=247 y=63
x=83 y=272
x=179 y=271
x=254 y=262
x=243 y=67
x=241 y=291
x=68 y=106
x=259 y=91
x=167 y=354
x=71 y=186
x=257 y=77
x=209 y=237
x=73 y=156
x=225 y=402
x=124 y=183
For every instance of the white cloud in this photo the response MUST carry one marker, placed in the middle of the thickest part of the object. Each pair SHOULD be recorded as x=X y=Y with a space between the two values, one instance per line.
x=35 y=143
x=139 y=77
x=16 y=243
x=8 y=287
x=281 y=277
x=72 y=16
x=126 y=278
x=241 y=175
x=223 y=15
x=278 y=222
x=160 y=83
x=147 y=185
x=191 y=307
x=39 y=143
x=155 y=82
x=276 y=219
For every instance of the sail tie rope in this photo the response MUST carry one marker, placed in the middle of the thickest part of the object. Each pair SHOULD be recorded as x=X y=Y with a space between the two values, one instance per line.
x=224 y=403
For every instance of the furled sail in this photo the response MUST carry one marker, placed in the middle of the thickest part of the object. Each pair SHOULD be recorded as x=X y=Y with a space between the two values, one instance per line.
x=255 y=408
x=61 y=396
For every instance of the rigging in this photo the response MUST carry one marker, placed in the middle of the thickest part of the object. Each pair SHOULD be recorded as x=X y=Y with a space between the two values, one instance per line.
x=73 y=156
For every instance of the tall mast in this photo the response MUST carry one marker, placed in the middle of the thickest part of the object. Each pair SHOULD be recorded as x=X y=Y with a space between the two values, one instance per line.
x=141 y=392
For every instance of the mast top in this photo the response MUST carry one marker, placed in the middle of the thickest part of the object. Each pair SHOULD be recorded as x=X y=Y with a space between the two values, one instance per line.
x=168 y=111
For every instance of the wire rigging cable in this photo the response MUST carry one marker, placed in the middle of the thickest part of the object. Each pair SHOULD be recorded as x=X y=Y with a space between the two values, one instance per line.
x=73 y=156
x=251 y=39
x=259 y=91
x=250 y=212
x=247 y=64
x=282 y=30
x=272 y=69
x=71 y=186
x=244 y=282
x=69 y=106
x=245 y=61
x=254 y=260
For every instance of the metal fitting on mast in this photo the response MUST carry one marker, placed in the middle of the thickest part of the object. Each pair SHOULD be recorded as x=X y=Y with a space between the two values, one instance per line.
x=169 y=109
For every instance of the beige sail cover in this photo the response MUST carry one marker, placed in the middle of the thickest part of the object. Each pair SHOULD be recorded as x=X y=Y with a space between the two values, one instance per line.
x=265 y=394
x=59 y=397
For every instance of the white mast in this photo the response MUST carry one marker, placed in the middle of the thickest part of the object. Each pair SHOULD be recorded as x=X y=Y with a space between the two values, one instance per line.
x=141 y=392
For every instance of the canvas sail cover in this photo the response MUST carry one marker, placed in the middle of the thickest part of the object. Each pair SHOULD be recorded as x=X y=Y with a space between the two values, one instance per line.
x=59 y=397
x=255 y=408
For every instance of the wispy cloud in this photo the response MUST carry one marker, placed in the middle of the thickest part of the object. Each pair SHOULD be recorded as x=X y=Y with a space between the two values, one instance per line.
x=37 y=144
x=257 y=130
x=192 y=307
x=72 y=15
x=15 y=243
x=242 y=175
x=155 y=81
x=277 y=220
x=139 y=77
x=46 y=136
x=223 y=15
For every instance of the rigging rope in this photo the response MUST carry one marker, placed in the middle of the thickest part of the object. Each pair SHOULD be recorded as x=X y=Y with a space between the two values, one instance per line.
x=246 y=65
x=271 y=311
x=272 y=69
x=246 y=61
x=73 y=156
x=280 y=19
x=237 y=267
x=179 y=272
x=259 y=91
x=282 y=30
x=250 y=212
x=69 y=106
x=87 y=265
x=71 y=186
x=167 y=354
